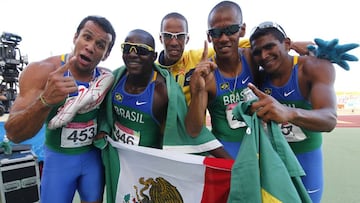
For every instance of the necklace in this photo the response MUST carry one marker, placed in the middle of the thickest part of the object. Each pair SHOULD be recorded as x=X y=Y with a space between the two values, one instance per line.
x=227 y=83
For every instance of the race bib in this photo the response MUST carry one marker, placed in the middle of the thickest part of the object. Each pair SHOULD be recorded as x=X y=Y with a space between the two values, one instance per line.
x=77 y=134
x=292 y=132
x=126 y=135
x=232 y=121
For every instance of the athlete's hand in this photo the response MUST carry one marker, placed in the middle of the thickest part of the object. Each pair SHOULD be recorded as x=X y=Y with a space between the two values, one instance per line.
x=268 y=108
x=334 y=52
x=58 y=86
x=301 y=47
x=202 y=72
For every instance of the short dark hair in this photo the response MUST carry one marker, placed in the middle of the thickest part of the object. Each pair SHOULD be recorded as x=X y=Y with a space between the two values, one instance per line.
x=266 y=31
x=104 y=24
x=225 y=5
x=176 y=16
x=145 y=35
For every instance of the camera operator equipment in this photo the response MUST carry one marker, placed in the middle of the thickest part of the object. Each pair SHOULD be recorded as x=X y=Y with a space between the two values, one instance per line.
x=11 y=63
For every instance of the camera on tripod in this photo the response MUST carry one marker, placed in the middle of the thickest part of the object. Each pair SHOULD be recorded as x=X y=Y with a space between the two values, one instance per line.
x=11 y=63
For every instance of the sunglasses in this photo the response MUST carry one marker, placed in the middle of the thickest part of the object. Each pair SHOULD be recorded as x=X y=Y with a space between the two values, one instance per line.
x=139 y=49
x=269 y=24
x=177 y=36
x=230 y=30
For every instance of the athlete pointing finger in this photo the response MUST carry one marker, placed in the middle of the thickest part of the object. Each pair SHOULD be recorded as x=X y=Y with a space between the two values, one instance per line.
x=269 y=108
x=200 y=81
x=202 y=71
x=64 y=93
x=59 y=84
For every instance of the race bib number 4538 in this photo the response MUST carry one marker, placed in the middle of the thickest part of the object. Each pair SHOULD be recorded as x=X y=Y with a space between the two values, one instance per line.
x=78 y=134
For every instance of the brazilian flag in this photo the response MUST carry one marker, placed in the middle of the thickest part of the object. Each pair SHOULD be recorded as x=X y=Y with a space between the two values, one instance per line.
x=265 y=169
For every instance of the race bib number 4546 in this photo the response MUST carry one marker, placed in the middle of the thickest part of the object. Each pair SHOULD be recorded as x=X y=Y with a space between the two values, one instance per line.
x=126 y=135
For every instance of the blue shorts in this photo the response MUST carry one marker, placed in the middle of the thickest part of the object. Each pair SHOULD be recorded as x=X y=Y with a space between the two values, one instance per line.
x=312 y=163
x=63 y=174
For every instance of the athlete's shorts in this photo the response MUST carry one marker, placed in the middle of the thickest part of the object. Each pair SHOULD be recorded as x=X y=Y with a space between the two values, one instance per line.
x=231 y=147
x=312 y=163
x=63 y=174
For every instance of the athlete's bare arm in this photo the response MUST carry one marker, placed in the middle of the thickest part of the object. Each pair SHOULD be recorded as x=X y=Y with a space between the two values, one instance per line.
x=28 y=113
x=317 y=79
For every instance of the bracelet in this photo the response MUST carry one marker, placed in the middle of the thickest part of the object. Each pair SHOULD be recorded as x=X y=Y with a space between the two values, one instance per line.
x=44 y=102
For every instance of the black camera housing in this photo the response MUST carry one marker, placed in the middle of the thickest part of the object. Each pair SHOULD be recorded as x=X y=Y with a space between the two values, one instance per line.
x=11 y=64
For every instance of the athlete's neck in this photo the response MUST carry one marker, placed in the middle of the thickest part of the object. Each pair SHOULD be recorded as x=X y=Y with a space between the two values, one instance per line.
x=137 y=83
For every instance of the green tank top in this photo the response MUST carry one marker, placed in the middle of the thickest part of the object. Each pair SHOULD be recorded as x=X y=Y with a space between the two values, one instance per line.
x=77 y=136
x=74 y=138
x=135 y=123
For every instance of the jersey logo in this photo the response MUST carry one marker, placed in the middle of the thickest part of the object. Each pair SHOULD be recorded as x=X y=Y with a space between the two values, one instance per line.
x=244 y=81
x=286 y=94
x=118 y=97
x=140 y=103
x=268 y=91
x=188 y=77
x=224 y=86
x=313 y=191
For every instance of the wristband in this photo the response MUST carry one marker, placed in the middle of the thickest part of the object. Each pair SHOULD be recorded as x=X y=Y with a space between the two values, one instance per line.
x=44 y=102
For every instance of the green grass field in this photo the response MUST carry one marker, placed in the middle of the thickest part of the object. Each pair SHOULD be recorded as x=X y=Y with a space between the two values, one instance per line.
x=342 y=166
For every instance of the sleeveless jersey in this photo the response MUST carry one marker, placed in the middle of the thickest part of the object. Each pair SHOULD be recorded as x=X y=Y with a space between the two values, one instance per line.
x=135 y=123
x=224 y=126
x=77 y=136
x=300 y=140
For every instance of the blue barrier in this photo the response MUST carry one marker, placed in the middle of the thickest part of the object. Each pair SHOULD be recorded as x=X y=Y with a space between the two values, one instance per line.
x=36 y=142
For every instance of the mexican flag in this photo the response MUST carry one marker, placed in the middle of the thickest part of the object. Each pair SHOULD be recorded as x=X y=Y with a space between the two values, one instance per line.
x=265 y=170
x=153 y=175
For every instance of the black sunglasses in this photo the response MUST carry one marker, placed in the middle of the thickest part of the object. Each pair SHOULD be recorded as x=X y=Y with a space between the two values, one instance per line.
x=230 y=30
x=139 y=49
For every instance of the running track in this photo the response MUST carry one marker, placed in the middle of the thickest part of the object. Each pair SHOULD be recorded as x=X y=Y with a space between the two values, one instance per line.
x=344 y=121
x=349 y=121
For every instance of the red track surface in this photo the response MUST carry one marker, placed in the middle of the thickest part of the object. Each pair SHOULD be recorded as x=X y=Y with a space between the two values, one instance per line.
x=344 y=121
x=349 y=121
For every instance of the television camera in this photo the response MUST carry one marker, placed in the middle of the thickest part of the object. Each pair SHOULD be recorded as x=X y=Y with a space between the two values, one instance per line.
x=11 y=64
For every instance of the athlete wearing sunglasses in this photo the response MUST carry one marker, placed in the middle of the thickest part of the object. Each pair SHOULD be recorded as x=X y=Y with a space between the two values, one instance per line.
x=178 y=36
x=300 y=97
x=216 y=86
x=174 y=36
x=145 y=107
x=139 y=49
x=228 y=31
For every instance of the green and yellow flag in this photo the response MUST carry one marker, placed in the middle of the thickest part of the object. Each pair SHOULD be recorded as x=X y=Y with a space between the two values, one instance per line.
x=266 y=169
